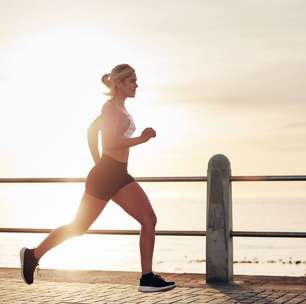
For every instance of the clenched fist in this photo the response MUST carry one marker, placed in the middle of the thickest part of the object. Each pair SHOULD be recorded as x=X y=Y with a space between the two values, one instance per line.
x=147 y=133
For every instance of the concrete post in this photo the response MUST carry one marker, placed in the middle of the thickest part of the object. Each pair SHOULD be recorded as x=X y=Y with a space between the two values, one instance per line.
x=219 y=243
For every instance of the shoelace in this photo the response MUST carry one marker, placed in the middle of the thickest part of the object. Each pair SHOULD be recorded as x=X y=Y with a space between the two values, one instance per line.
x=159 y=277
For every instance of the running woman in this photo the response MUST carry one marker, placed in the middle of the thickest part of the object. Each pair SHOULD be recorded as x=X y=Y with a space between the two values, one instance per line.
x=109 y=180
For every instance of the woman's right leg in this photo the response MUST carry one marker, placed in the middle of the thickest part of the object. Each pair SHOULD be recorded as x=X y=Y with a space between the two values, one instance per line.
x=89 y=209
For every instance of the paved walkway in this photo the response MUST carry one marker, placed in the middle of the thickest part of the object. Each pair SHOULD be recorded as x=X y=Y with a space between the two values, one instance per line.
x=64 y=289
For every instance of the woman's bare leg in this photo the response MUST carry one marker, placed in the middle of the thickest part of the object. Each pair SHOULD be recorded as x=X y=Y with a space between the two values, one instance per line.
x=89 y=209
x=135 y=202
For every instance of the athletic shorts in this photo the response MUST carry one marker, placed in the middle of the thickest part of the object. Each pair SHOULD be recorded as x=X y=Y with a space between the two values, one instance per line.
x=107 y=177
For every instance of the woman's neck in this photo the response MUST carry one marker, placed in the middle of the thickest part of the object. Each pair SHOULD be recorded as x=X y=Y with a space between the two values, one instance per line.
x=121 y=106
x=119 y=102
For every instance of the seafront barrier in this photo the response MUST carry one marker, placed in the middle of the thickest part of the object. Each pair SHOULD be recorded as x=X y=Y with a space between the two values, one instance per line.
x=219 y=234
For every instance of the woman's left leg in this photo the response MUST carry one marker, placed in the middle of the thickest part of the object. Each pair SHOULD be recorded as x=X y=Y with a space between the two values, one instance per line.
x=135 y=202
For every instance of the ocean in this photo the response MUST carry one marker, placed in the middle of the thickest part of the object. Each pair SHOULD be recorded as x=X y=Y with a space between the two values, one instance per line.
x=178 y=207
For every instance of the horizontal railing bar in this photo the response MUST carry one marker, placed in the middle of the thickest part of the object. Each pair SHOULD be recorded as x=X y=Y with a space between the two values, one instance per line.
x=268 y=234
x=82 y=179
x=43 y=180
x=165 y=232
x=268 y=178
x=105 y=231
x=157 y=179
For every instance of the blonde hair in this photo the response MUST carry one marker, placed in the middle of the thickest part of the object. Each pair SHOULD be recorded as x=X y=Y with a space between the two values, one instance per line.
x=118 y=74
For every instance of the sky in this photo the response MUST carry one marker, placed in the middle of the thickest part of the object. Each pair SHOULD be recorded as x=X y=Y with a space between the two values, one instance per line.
x=215 y=77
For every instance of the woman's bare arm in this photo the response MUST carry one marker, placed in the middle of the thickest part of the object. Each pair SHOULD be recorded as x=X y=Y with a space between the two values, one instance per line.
x=92 y=138
x=111 y=126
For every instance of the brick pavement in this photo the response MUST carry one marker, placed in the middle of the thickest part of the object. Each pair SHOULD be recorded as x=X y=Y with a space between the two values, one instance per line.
x=14 y=290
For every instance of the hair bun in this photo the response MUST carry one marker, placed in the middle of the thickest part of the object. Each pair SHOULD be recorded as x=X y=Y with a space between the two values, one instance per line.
x=106 y=80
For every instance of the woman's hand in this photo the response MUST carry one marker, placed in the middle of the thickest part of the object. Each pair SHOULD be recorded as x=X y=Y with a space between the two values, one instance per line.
x=147 y=133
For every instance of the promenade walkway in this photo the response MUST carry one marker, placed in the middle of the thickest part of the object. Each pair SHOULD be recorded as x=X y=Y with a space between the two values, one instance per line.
x=85 y=287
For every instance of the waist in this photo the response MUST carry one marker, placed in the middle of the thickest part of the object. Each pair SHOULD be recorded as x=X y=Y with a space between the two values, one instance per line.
x=109 y=159
x=120 y=155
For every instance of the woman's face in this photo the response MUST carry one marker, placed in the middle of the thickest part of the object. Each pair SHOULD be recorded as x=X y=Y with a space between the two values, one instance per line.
x=129 y=85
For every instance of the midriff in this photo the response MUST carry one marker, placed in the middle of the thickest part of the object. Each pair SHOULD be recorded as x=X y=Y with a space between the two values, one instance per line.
x=121 y=155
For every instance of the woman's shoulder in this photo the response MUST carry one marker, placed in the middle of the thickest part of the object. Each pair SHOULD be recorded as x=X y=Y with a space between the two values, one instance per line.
x=108 y=107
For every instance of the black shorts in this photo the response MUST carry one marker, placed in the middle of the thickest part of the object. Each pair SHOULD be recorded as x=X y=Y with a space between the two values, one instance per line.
x=107 y=177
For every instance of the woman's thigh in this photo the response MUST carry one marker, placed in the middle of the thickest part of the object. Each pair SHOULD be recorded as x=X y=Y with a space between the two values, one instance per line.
x=88 y=211
x=135 y=202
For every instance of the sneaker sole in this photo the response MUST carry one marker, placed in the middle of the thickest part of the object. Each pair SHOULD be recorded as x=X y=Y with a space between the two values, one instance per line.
x=155 y=289
x=21 y=262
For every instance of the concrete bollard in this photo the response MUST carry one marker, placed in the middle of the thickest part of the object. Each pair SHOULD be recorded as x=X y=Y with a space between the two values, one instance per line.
x=219 y=243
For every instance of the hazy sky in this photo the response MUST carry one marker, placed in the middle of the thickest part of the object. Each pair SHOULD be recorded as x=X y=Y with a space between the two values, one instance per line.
x=214 y=77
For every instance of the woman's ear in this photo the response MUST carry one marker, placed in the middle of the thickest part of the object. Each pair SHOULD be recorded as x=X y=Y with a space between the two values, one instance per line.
x=118 y=83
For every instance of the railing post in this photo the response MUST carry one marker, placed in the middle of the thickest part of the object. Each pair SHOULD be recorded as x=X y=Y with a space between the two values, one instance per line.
x=219 y=243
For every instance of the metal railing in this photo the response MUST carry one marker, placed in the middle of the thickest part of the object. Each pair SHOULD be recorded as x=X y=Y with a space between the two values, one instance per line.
x=268 y=178
x=105 y=231
x=162 y=179
x=219 y=214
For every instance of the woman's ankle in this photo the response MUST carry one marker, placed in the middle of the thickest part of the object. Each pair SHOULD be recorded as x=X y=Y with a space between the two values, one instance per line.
x=146 y=273
x=35 y=255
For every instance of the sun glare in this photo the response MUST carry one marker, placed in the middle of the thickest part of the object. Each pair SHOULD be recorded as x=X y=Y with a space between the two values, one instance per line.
x=55 y=85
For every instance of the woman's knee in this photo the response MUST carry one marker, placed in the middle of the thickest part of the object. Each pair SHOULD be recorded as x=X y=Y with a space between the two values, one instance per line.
x=76 y=229
x=149 y=221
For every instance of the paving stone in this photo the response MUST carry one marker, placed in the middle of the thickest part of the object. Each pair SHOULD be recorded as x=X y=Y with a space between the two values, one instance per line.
x=14 y=291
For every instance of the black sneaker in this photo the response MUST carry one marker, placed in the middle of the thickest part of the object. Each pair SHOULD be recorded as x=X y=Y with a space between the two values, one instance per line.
x=28 y=264
x=151 y=282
